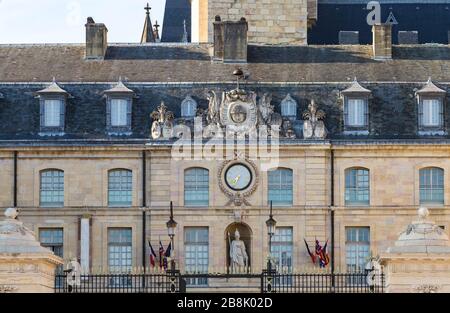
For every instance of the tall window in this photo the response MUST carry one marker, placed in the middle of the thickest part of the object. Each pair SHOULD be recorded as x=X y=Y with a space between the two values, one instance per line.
x=357 y=186
x=280 y=187
x=52 y=188
x=357 y=247
x=431 y=185
x=196 y=253
x=431 y=113
x=357 y=112
x=120 y=187
x=282 y=246
x=119 y=249
x=196 y=187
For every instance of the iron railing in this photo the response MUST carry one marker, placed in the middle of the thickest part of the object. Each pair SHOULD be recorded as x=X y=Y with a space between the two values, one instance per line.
x=167 y=282
x=276 y=282
x=174 y=282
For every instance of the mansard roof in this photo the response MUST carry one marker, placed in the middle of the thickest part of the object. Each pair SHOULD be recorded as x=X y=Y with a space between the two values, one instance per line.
x=392 y=111
x=192 y=63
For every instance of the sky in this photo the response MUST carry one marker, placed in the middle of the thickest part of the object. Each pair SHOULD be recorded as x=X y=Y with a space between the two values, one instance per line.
x=62 y=21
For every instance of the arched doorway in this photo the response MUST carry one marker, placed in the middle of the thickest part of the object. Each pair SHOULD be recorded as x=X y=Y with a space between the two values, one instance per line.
x=246 y=236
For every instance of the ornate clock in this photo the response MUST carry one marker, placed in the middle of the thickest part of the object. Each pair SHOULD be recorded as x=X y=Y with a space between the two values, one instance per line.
x=238 y=177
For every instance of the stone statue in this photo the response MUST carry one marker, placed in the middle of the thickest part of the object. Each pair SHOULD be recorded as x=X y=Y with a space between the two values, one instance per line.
x=238 y=253
x=267 y=115
x=162 y=126
x=313 y=126
x=73 y=273
x=213 y=114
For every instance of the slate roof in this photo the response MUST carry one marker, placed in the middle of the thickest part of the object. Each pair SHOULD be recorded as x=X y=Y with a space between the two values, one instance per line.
x=176 y=12
x=192 y=63
x=392 y=109
x=169 y=73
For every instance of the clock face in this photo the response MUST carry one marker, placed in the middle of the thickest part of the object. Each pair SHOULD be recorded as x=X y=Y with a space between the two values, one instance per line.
x=238 y=177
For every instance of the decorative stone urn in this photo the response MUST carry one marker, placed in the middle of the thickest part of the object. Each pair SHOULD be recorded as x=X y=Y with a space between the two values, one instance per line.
x=419 y=261
x=25 y=266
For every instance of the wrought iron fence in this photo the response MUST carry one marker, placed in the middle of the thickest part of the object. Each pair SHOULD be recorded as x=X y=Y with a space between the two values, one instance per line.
x=167 y=282
x=175 y=282
x=276 y=282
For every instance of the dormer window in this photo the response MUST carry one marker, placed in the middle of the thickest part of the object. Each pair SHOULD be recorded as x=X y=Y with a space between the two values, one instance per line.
x=356 y=109
x=289 y=108
x=431 y=112
x=431 y=109
x=356 y=112
x=119 y=100
x=119 y=112
x=53 y=116
x=188 y=108
x=52 y=110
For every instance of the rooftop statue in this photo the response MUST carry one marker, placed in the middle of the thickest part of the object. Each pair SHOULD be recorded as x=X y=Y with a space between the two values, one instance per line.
x=313 y=126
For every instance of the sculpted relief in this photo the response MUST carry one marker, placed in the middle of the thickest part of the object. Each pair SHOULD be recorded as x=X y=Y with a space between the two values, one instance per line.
x=239 y=112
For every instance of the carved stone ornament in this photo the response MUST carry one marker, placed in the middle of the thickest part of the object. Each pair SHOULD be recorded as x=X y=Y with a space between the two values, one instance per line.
x=162 y=126
x=426 y=288
x=7 y=289
x=238 y=198
x=239 y=111
x=313 y=126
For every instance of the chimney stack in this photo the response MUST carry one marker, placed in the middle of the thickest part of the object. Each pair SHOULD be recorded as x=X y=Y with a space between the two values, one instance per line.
x=96 y=40
x=230 y=40
x=382 y=41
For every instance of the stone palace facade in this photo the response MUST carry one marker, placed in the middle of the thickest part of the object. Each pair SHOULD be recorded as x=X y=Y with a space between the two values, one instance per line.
x=346 y=142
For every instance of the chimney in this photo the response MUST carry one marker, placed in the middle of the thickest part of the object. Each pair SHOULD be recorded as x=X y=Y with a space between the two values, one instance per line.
x=96 y=40
x=230 y=40
x=382 y=41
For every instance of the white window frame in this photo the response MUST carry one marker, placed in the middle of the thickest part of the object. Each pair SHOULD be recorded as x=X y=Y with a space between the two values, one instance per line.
x=195 y=259
x=358 y=249
x=431 y=113
x=119 y=123
x=356 y=120
x=52 y=114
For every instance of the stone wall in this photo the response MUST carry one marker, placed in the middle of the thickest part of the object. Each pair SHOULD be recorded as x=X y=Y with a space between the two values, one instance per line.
x=394 y=197
x=270 y=21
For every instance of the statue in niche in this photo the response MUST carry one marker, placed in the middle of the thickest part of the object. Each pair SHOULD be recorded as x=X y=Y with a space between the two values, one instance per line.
x=313 y=126
x=238 y=252
x=267 y=114
x=162 y=126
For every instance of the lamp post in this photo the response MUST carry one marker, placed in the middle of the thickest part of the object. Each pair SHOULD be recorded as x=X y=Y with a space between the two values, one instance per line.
x=171 y=226
x=270 y=223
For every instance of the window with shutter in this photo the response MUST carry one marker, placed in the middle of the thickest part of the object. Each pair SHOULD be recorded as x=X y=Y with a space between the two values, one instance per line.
x=118 y=115
x=431 y=113
x=356 y=113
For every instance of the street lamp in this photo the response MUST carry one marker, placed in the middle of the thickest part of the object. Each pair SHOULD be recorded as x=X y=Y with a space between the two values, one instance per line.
x=270 y=223
x=171 y=226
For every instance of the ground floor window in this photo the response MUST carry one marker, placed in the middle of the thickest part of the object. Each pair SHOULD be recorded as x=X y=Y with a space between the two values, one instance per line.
x=282 y=251
x=119 y=254
x=357 y=248
x=53 y=239
x=196 y=245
